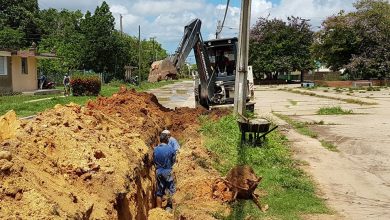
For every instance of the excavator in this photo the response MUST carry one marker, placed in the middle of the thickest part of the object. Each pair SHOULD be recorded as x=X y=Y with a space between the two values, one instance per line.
x=216 y=63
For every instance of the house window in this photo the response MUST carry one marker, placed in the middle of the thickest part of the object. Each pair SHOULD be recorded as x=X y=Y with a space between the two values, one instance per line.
x=3 y=65
x=24 y=66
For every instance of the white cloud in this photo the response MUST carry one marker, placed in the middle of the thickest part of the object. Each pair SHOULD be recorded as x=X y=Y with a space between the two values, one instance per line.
x=315 y=10
x=153 y=7
x=166 y=19
x=82 y=5
x=118 y=9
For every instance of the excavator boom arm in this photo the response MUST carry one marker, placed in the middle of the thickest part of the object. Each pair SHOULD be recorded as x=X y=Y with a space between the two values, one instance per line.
x=192 y=39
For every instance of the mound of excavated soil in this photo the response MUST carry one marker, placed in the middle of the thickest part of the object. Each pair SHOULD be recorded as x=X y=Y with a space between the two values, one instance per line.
x=95 y=162
x=8 y=125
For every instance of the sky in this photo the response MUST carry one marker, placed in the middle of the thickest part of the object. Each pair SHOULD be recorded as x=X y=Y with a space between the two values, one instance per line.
x=165 y=19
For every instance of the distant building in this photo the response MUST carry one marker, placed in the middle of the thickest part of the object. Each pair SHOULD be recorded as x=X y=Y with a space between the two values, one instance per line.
x=18 y=70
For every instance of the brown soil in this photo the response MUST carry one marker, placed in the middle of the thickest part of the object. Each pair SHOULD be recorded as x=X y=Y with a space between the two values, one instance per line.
x=95 y=162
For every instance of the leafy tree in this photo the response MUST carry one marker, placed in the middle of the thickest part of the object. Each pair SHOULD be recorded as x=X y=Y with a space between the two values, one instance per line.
x=10 y=38
x=100 y=42
x=21 y=15
x=357 y=41
x=61 y=34
x=279 y=46
x=81 y=42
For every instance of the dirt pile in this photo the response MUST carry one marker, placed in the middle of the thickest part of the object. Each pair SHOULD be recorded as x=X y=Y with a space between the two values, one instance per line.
x=195 y=177
x=95 y=162
x=73 y=162
x=162 y=69
x=8 y=125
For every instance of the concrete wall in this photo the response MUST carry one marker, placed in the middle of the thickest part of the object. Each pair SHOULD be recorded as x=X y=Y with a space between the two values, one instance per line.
x=24 y=82
x=6 y=80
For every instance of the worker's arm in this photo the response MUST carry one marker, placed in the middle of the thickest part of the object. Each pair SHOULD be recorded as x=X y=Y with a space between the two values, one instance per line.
x=173 y=156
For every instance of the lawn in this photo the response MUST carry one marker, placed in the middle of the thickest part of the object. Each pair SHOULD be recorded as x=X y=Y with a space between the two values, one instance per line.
x=23 y=107
x=288 y=191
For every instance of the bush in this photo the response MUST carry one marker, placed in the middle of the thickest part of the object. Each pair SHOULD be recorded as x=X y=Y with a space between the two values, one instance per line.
x=116 y=83
x=88 y=84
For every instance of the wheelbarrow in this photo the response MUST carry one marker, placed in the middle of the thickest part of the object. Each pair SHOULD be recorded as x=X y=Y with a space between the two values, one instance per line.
x=257 y=130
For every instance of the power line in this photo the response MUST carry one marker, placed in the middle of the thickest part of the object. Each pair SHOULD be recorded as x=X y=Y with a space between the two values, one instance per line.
x=226 y=10
x=220 y=27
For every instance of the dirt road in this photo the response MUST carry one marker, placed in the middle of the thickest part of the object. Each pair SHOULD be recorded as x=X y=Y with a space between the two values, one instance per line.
x=355 y=180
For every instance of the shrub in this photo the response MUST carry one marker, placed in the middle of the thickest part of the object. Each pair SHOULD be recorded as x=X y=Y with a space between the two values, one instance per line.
x=88 y=84
x=116 y=83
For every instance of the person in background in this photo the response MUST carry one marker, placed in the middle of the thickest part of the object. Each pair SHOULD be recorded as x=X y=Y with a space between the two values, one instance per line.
x=42 y=80
x=172 y=141
x=164 y=158
x=66 y=83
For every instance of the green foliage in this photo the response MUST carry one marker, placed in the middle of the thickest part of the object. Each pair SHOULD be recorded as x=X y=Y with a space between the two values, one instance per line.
x=81 y=41
x=85 y=85
x=116 y=83
x=293 y=102
x=301 y=127
x=277 y=46
x=335 y=110
x=21 y=16
x=328 y=145
x=290 y=193
x=357 y=41
x=10 y=38
x=349 y=100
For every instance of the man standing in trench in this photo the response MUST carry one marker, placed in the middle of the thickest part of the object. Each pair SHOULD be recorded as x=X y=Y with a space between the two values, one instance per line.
x=164 y=157
x=172 y=141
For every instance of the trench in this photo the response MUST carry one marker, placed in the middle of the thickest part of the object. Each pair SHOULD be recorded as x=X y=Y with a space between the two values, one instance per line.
x=139 y=196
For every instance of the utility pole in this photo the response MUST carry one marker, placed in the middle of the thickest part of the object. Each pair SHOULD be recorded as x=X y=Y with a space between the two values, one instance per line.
x=139 y=53
x=219 y=29
x=121 y=26
x=242 y=61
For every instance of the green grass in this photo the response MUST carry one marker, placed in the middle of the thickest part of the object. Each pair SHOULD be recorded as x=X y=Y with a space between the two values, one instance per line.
x=301 y=127
x=334 y=110
x=22 y=109
x=328 y=145
x=292 y=102
x=347 y=100
x=290 y=193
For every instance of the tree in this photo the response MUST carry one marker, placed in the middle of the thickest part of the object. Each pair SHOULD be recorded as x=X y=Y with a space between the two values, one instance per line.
x=100 y=42
x=279 y=46
x=61 y=34
x=11 y=38
x=22 y=16
x=357 y=41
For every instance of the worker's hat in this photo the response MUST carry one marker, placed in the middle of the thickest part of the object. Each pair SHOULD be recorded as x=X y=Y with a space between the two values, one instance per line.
x=166 y=132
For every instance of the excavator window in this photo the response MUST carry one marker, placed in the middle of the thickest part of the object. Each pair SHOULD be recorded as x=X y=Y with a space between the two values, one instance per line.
x=222 y=60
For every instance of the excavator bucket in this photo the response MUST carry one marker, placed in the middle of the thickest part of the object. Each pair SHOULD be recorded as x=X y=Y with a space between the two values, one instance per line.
x=162 y=70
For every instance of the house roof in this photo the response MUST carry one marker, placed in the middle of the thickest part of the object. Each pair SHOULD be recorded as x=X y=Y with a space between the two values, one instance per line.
x=28 y=53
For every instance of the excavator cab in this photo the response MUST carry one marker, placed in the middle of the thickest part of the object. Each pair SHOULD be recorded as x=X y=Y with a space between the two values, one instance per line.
x=222 y=55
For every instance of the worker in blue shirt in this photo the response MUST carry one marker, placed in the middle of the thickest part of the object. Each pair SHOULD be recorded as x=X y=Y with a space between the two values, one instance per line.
x=172 y=141
x=164 y=157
